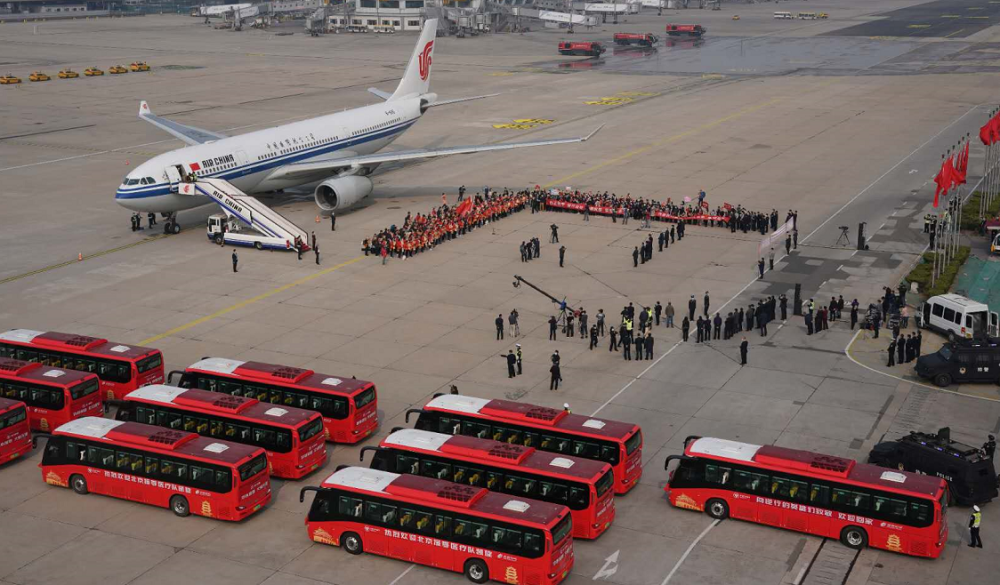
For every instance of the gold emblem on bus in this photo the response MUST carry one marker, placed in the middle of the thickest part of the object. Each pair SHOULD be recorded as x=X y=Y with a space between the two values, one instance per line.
x=323 y=537
x=111 y=395
x=52 y=479
x=511 y=575
x=206 y=509
x=684 y=501
x=893 y=543
x=44 y=424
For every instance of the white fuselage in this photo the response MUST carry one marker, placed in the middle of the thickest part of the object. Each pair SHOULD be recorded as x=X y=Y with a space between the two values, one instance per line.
x=249 y=160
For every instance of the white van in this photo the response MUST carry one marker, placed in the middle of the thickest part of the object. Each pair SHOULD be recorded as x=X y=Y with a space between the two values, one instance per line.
x=783 y=15
x=959 y=317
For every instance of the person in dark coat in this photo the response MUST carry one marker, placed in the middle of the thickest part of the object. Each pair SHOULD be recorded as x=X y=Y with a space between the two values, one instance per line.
x=556 y=377
x=511 y=363
x=892 y=353
x=698 y=334
x=648 y=343
x=638 y=346
x=783 y=303
x=901 y=350
x=236 y=260
x=692 y=305
x=744 y=348
x=499 y=323
x=614 y=340
x=717 y=323
x=685 y=328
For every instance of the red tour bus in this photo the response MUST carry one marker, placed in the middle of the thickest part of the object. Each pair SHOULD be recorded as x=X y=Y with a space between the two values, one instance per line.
x=547 y=429
x=349 y=406
x=484 y=534
x=158 y=466
x=54 y=396
x=15 y=436
x=862 y=505
x=292 y=437
x=121 y=368
x=583 y=485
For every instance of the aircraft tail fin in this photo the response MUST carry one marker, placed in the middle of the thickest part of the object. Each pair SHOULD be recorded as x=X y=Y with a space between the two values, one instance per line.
x=416 y=80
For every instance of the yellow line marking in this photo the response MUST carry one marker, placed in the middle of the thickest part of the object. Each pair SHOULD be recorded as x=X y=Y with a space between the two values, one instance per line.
x=954 y=33
x=87 y=257
x=249 y=301
x=665 y=141
x=919 y=26
x=950 y=16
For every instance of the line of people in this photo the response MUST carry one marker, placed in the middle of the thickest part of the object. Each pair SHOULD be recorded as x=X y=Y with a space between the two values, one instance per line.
x=904 y=349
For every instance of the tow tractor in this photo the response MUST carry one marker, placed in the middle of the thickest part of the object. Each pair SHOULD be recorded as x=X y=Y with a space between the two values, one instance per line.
x=244 y=220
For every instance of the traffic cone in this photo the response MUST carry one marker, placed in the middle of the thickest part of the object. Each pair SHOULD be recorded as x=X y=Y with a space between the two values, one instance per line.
x=317 y=219
x=126 y=162
x=79 y=256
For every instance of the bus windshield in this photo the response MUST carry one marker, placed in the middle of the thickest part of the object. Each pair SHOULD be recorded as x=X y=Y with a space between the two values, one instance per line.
x=365 y=398
x=562 y=530
x=253 y=467
x=84 y=389
x=605 y=483
x=310 y=430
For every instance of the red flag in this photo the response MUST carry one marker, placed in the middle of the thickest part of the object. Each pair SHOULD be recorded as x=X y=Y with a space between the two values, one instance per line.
x=958 y=168
x=984 y=134
x=943 y=180
x=994 y=125
x=464 y=207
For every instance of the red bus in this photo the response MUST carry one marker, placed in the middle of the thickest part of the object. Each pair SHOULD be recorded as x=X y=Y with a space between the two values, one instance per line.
x=15 y=436
x=292 y=437
x=484 y=534
x=583 y=485
x=54 y=396
x=349 y=407
x=587 y=48
x=157 y=466
x=121 y=368
x=862 y=505
x=548 y=429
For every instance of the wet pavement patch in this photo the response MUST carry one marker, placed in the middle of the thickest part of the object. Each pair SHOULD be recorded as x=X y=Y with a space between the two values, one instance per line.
x=942 y=18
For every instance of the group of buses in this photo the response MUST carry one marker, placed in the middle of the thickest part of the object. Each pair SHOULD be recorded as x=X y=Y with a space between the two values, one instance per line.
x=492 y=488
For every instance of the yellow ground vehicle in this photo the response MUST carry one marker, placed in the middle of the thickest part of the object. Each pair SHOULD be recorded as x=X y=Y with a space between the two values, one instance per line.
x=68 y=74
x=140 y=66
x=92 y=72
x=38 y=76
x=823 y=15
x=9 y=79
x=117 y=70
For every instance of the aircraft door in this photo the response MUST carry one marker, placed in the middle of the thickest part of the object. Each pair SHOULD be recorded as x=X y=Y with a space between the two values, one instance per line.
x=173 y=176
x=241 y=158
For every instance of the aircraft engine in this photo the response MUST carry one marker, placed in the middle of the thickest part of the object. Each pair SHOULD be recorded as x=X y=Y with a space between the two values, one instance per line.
x=342 y=192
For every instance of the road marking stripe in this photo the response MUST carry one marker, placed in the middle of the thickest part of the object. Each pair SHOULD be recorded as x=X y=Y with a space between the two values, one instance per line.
x=688 y=551
x=248 y=302
x=668 y=140
x=401 y=575
x=87 y=257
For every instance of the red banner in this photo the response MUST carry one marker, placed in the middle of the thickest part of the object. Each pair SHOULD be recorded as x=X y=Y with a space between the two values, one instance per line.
x=603 y=210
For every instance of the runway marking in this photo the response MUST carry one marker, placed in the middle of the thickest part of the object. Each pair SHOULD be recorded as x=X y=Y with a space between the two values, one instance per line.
x=401 y=575
x=87 y=257
x=247 y=302
x=668 y=140
x=633 y=380
x=688 y=551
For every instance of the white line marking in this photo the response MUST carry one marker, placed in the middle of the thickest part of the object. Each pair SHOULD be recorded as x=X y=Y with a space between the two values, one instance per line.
x=401 y=575
x=632 y=381
x=687 y=552
x=847 y=352
x=798 y=578
x=865 y=190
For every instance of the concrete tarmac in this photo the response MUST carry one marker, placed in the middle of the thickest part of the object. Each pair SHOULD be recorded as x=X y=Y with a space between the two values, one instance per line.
x=851 y=136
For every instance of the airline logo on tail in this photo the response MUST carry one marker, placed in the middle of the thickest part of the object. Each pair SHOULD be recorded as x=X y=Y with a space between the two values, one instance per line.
x=425 y=61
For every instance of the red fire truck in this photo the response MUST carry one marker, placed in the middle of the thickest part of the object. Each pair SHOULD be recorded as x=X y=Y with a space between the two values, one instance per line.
x=643 y=40
x=587 y=48
x=686 y=30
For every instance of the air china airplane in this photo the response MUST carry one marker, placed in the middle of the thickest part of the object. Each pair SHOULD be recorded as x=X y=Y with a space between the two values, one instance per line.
x=338 y=151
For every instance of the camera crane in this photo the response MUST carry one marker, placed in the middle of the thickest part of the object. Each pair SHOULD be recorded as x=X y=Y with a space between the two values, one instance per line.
x=563 y=307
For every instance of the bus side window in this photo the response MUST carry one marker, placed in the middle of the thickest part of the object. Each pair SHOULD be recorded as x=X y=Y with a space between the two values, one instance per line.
x=122 y=461
x=554 y=492
x=519 y=485
x=263 y=438
x=145 y=415
x=407 y=519
x=920 y=514
x=136 y=463
x=557 y=444
x=202 y=477
x=534 y=543
x=217 y=428
x=101 y=457
x=152 y=466
x=206 y=383
x=819 y=495
x=423 y=522
x=435 y=469
x=449 y=426
x=473 y=429
x=277 y=397
x=506 y=539
x=350 y=507
x=407 y=464
x=168 y=419
x=283 y=439
x=493 y=480
x=76 y=452
x=442 y=526
x=578 y=496
x=234 y=388
x=530 y=439
x=586 y=449
x=223 y=480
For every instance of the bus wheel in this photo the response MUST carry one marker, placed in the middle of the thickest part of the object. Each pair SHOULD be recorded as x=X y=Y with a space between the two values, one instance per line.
x=352 y=543
x=79 y=485
x=942 y=380
x=854 y=537
x=179 y=505
x=476 y=571
x=258 y=245
x=717 y=509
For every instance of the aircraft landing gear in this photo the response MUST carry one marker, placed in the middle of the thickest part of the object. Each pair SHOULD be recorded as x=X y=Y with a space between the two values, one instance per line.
x=171 y=226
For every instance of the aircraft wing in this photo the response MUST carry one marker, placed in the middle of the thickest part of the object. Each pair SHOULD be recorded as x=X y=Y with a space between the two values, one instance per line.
x=188 y=134
x=310 y=168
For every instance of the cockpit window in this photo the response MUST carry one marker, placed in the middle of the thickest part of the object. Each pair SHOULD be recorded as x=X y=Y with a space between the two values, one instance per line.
x=151 y=180
x=144 y=181
x=132 y=182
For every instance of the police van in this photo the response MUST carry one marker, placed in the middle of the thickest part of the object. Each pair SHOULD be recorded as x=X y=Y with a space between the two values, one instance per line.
x=970 y=474
x=962 y=361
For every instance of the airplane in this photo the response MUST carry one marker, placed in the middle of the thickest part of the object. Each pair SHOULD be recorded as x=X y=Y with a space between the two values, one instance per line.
x=337 y=151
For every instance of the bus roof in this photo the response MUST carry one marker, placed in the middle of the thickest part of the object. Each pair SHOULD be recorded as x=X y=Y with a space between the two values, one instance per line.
x=816 y=464
x=541 y=416
x=158 y=438
x=445 y=494
x=8 y=404
x=489 y=451
x=36 y=372
x=276 y=373
x=223 y=404
x=72 y=342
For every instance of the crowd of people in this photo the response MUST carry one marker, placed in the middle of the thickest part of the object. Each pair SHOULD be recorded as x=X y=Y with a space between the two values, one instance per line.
x=422 y=232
